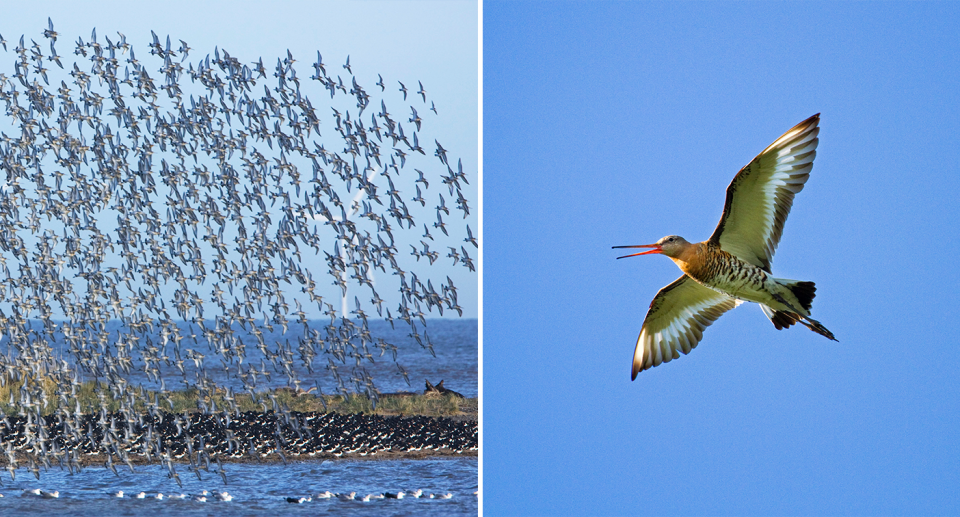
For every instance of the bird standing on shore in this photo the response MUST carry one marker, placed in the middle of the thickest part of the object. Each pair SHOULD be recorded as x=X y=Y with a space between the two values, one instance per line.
x=733 y=265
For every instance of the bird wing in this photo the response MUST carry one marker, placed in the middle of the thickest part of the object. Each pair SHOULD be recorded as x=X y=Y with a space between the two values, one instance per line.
x=676 y=320
x=761 y=194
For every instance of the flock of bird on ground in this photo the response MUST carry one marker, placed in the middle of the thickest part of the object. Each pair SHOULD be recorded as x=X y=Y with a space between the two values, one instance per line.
x=205 y=441
x=196 y=202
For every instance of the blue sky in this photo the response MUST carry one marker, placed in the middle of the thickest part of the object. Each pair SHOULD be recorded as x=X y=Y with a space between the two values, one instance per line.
x=436 y=43
x=618 y=123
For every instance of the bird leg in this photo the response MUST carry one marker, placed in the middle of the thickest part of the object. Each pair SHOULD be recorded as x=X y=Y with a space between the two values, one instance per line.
x=810 y=323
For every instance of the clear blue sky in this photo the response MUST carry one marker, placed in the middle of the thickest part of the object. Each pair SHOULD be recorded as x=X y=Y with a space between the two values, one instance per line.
x=433 y=42
x=619 y=123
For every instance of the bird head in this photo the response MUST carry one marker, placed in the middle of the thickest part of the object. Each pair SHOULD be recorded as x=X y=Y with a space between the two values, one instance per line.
x=671 y=246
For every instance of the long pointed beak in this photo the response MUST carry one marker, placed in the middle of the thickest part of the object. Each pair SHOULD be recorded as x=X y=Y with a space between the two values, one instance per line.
x=656 y=249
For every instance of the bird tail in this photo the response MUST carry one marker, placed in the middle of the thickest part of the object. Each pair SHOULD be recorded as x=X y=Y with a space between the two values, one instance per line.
x=803 y=291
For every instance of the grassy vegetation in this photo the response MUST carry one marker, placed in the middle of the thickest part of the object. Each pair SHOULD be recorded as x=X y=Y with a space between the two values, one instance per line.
x=92 y=396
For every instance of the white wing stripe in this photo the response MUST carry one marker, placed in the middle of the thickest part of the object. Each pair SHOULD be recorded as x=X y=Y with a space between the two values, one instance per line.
x=760 y=197
x=683 y=329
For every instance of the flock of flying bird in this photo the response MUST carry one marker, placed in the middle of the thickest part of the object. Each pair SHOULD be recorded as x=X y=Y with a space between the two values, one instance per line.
x=195 y=202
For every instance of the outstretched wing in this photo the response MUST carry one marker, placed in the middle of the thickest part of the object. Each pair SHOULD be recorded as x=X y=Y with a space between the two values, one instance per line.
x=676 y=320
x=761 y=194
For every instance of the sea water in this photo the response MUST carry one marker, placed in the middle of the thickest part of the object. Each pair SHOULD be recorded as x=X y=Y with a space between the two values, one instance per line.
x=256 y=488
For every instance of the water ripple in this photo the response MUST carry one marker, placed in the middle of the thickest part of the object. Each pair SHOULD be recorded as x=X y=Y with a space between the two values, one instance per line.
x=256 y=489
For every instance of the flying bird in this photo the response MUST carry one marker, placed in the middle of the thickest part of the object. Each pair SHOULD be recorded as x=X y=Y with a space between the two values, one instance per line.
x=733 y=265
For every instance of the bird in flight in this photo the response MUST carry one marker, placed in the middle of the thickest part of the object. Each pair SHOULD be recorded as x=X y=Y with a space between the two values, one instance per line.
x=733 y=265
